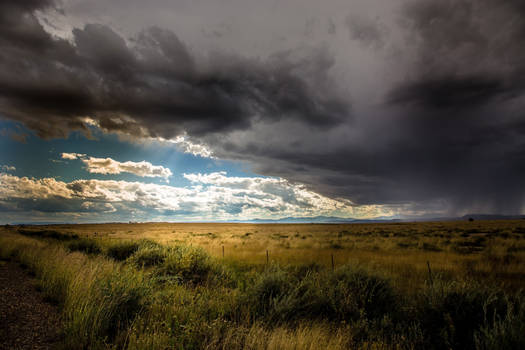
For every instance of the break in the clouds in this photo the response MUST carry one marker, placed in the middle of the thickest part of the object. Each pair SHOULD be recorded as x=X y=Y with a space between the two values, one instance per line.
x=111 y=166
x=72 y=156
x=413 y=104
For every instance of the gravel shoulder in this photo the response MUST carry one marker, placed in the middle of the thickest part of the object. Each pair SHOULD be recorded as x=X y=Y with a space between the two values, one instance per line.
x=27 y=321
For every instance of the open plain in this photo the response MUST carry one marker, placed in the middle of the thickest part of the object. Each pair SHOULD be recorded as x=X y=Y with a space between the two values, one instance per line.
x=430 y=285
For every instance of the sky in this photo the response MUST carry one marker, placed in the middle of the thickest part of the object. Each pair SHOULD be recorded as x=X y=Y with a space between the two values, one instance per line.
x=201 y=110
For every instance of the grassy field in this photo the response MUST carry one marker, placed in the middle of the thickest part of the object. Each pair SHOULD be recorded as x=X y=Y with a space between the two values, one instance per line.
x=442 y=285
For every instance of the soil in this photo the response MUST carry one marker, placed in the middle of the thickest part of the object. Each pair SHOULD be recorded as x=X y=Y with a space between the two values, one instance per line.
x=27 y=321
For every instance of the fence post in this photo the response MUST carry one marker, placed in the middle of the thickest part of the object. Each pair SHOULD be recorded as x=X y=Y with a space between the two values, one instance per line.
x=223 y=252
x=430 y=274
x=267 y=257
x=333 y=265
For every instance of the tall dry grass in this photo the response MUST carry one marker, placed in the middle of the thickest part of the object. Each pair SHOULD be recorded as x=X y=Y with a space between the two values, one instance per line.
x=139 y=290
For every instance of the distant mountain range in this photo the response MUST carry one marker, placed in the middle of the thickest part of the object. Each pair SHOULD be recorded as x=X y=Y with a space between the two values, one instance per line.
x=310 y=220
x=339 y=220
x=481 y=217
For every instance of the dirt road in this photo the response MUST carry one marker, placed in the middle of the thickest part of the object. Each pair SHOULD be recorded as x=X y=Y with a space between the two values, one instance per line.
x=26 y=320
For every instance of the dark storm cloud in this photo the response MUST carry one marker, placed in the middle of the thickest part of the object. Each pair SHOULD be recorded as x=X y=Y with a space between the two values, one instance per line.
x=467 y=52
x=449 y=136
x=368 y=32
x=463 y=104
x=448 y=92
x=448 y=132
x=152 y=87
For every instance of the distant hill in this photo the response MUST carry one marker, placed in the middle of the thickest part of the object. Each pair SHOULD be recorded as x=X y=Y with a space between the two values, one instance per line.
x=315 y=220
x=492 y=217
x=339 y=220
x=328 y=220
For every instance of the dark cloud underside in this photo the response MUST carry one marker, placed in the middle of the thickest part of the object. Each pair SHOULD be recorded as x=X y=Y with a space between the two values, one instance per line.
x=451 y=132
x=154 y=82
x=449 y=127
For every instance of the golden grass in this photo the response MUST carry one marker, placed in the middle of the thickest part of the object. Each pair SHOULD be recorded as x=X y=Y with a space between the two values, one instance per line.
x=400 y=249
x=90 y=291
x=304 y=337
x=190 y=300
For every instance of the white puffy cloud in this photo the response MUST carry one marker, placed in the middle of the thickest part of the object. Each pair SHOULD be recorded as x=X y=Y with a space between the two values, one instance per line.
x=72 y=156
x=24 y=187
x=111 y=166
x=278 y=189
x=185 y=145
x=6 y=168
x=212 y=196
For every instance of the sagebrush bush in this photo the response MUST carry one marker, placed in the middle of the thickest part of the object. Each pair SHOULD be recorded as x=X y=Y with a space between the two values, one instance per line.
x=503 y=331
x=149 y=254
x=354 y=291
x=305 y=299
x=271 y=286
x=450 y=313
x=193 y=265
x=120 y=251
x=84 y=245
x=48 y=234
x=348 y=294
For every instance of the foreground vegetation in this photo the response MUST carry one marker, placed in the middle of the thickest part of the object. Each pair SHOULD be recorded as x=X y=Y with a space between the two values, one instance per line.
x=392 y=286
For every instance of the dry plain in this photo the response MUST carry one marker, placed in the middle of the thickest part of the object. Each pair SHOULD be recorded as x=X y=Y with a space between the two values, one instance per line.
x=424 y=285
x=483 y=249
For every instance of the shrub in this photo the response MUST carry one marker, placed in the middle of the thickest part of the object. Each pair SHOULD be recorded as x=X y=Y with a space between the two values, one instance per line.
x=305 y=299
x=266 y=290
x=122 y=250
x=450 y=313
x=48 y=234
x=470 y=246
x=87 y=246
x=194 y=265
x=147 y=256
x=354 y=292
x=503 y=332
x=336 y=245
x=431 y=247
x=348 y=294
x=406 y=245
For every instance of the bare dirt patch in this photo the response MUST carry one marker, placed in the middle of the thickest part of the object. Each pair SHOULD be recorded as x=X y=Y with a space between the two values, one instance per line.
x=26 y=320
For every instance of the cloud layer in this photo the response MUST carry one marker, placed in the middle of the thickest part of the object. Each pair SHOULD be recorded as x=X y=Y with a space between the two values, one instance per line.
x=213 y=196
x=414 y=104
x=151 y=85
